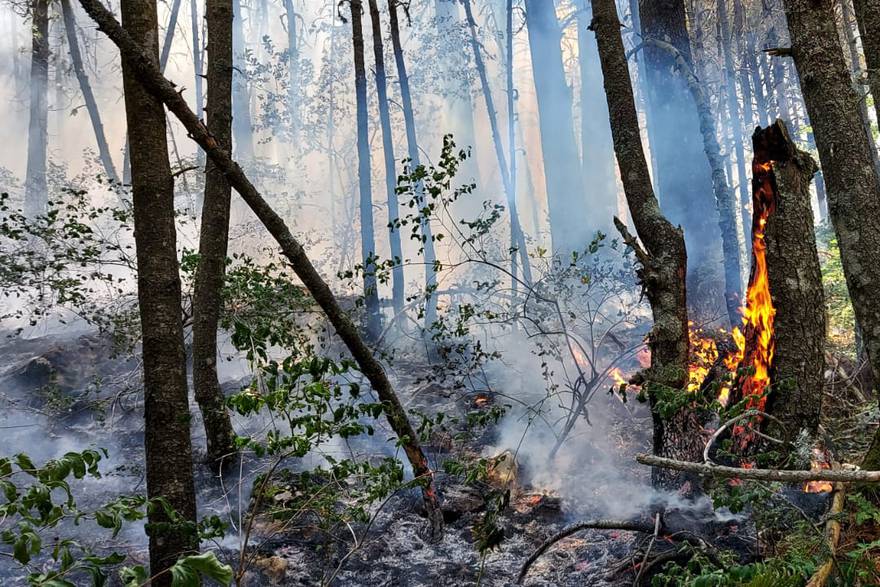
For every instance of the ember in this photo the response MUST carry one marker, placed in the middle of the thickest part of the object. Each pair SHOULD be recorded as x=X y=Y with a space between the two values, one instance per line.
x=818 y=462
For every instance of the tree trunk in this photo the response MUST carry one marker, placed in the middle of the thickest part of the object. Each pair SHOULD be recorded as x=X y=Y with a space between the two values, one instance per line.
x=663 y=258
x=851 y=42
x=729 y=221
x=149 y=75
x=516 y=234
x=368 y=241
x=685 y=193
x=784 y=172
x=566 y=199
x=397 y=278
x=198 y=66
x=868 y=18
x=86 y=89
x=597 y=147
x=412 y=144
x=35 y=188
x=166 y=408
x=213 y=239
x=847 y=163
x=169 y=34
x=242 y=127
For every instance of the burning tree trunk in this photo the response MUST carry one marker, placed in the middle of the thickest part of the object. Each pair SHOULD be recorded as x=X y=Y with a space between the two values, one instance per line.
x=663 y=259
x=786 y=305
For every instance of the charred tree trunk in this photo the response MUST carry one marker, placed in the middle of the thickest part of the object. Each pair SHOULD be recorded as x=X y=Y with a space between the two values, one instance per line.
x=674 y=127
x=795 y=281
x=516 y=233
x=597 y=147
x=242 y=127
x=213 y=239
x=166 y=407
x=868 y=18
x=149 y=75
x=86 y=89
x=566 y=198
x=365 y=188
x=397 y=278
x=847 y=163
x=663 y=258
x=35 y=188
x=412 y=144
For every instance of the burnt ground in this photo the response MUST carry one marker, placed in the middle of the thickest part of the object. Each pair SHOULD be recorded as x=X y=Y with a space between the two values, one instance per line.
x=68 y=393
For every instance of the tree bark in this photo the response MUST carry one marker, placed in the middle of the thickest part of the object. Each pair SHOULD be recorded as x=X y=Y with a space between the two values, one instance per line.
x=566 y=198
x=151 y=78
x=795 y=281
x=35 y=188
x=213 y=239
x=169 y=34
x=663 y=259
x=166 y=408
x=397 y=278
x=198 y=64
x=868 y=18
x=851 y=43
x=674 y=127
x=368 y=240
x=412 y=145
x=847 y=163
x=86 y=89
x=293 y=81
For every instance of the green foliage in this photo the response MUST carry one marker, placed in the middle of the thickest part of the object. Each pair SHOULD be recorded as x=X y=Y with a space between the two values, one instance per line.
x=841 y=319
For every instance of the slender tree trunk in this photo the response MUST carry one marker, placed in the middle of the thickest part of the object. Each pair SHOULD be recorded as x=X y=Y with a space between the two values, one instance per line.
x=847 y=162
x=597 y=147
x=397 y=278
x=166 y=408
x=198 y=65
x=663 y=259
x=242 y=127
x=504 y=170
x=565 y=189
x=368 y=240
x=293 y=82
x=782 y=174
x=762 y=110
x=213 y=239
x=86 y=89
x=854 y=59
x=868 y=18
x=674 y=127
x=749 y=115
x=149 y=75
x=169 y=34
x=409 y=121
x=36 y=190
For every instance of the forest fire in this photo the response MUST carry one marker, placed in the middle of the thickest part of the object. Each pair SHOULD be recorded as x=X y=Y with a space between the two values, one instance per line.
x=704 y=353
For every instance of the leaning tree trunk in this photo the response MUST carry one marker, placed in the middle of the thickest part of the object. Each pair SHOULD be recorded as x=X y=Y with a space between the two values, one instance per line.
x=213 y=239
x=35 y=188
x=368 y=240
x=412 y=144
x=663 y=261
x=729 y=220
x=782 y=174
x=169 y=35
x=516 y=234
x=566 y=198
x=149 y=75
x=397 y=278
x=166 y=407
x=847 y=163
x=86 y=89
x=868 y=18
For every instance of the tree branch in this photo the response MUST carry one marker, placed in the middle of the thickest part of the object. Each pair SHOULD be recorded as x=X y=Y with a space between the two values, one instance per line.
x=761 y=474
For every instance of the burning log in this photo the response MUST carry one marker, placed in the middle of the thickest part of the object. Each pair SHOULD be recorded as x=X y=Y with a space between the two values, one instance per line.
x=784 y=317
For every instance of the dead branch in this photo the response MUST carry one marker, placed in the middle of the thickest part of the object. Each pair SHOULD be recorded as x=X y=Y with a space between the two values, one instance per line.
x=832 y=532
x=832 y=476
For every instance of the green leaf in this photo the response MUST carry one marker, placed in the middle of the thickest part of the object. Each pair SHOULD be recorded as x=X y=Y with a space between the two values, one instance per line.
x=186 y=571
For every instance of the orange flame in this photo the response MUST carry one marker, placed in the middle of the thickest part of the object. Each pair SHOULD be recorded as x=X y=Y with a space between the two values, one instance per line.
x=818 y=462
x=617 y=375
x=704 y=353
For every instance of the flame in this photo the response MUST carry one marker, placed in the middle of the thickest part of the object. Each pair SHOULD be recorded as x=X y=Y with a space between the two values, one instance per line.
x=818 y=462
x=704 y=353
x=481 y=400
x=617 y=375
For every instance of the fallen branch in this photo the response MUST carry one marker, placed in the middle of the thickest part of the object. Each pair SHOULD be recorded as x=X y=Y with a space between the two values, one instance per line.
x=151 y=78
x=832 y=476
x=832 y=532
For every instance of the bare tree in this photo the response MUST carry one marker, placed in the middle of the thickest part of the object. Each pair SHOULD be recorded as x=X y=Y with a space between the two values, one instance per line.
x=36 y=195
